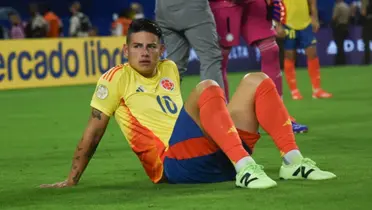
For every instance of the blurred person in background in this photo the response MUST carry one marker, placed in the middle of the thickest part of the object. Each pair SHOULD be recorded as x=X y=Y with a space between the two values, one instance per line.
x=80 y=24
x=121 y=24
x=340 y=24
x=17 y=29
x=186 y=24
x=300 y=24
x=4 y=18
x=55 y=24
x=366 y=12
x=137 y=10
x=253 y=21
x=355 y=6
x=3 y=33
x=37 y=27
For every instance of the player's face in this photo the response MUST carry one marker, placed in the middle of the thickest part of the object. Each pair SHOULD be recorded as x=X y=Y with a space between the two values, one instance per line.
x=73 y=9
x=143 y=52
x=14 y=19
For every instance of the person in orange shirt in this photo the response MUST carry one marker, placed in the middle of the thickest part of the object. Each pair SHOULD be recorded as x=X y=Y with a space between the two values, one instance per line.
x=120 y=25
x=54 y=22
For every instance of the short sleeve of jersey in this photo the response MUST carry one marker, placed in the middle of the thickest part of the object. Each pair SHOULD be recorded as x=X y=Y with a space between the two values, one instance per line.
x=172 y=66
x=108 y=93
x=177 y=72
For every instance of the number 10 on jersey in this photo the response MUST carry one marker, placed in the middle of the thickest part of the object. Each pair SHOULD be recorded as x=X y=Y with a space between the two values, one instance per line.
x=166 y=104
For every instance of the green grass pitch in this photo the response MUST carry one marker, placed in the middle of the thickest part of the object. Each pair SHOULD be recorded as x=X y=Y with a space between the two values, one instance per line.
x=41 y=127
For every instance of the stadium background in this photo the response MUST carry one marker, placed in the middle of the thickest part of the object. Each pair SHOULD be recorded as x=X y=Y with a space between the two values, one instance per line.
x=40 y=127
x=85 y=54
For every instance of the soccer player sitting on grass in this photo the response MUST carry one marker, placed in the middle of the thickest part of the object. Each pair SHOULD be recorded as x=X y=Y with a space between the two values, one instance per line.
x=199 y=141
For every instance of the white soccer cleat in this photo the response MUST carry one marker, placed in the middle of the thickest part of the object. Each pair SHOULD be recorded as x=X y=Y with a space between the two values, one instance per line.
x=307 y=169
x=253 y=177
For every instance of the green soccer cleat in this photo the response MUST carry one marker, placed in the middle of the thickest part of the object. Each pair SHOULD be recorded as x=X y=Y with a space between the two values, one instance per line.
x=307 y=169
x=253 y=177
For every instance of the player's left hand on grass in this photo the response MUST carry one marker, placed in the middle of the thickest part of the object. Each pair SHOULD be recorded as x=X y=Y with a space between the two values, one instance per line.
x=63 y=184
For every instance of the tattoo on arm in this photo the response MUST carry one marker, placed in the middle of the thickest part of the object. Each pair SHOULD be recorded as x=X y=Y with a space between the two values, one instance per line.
x=76 y=178
x=91 y=150
x=86 y=148
x=77 y=157
x=96 y=114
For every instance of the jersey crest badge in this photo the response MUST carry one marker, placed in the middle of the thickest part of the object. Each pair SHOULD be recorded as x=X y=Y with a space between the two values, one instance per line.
x=167 y=84
x=102 y=92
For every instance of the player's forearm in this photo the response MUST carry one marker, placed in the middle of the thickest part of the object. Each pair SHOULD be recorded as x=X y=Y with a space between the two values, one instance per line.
x=276 y=10
x=277 y=23
x=364 y=4
x=83 y=153
x=313 y=9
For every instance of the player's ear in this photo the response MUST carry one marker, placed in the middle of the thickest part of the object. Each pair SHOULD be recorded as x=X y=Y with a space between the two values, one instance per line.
x=162 y=49
x=125 y=50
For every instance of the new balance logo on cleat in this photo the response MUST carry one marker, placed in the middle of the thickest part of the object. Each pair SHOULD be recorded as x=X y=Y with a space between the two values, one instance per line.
x=253 y=177
x=245 y=179
x=306 y=170
x=304 y=173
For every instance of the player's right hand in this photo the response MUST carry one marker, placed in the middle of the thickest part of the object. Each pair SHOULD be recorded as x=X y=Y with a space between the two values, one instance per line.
x=363 y=12
x=63 y=184
x=315 y=24
x=280 y=32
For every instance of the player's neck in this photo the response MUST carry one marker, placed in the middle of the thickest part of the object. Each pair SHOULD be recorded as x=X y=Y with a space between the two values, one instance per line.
x=150 y=74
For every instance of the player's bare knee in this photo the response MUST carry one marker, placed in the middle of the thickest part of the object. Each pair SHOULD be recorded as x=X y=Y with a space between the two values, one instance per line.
x=254 y=79
x=205 y=84
x=311 y=52
x=289 y=54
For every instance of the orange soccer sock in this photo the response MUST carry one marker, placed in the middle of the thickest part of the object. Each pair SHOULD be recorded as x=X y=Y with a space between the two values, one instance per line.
x=314 y=72
x=216 y=121
x=273 y=116
x=290 y=74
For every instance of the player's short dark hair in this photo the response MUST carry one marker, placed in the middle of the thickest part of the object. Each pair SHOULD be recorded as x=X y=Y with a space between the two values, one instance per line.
x=11 y=13
x=126 y=12
x=146 y=25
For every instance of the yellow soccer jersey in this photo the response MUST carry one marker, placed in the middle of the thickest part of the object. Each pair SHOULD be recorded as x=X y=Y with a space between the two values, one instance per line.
x=146 y=109
x=297 y=14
